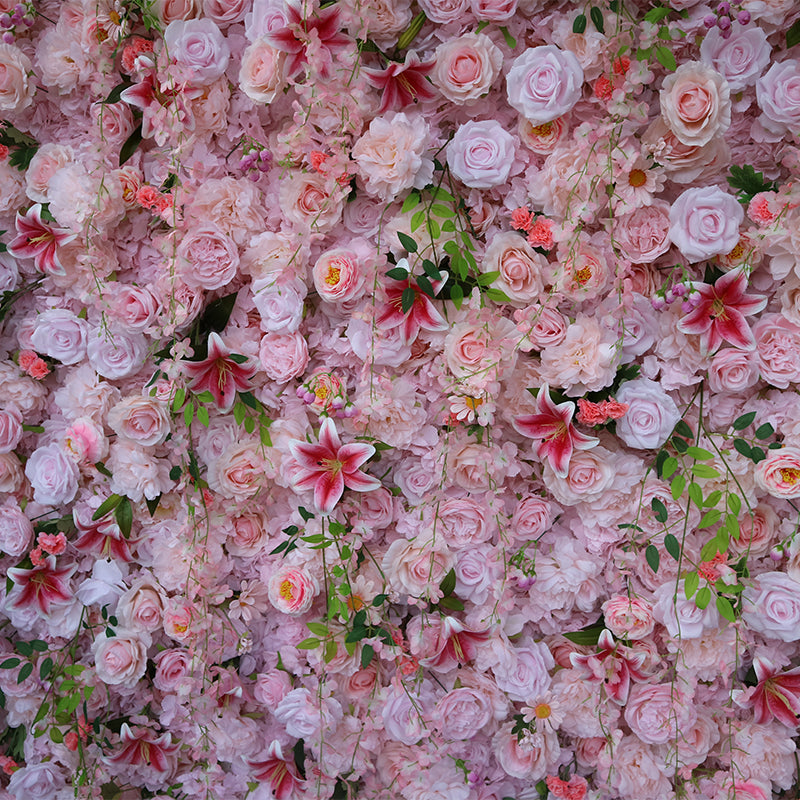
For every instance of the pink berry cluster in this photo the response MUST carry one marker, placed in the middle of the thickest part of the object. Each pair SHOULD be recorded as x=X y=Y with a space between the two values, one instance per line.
x=663 y=298
x=18 y=21
x=724 y=17
x=256 y=162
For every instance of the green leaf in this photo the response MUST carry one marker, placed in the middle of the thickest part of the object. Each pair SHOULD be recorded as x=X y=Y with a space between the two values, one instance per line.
x=734 y=503
x=175 y=473
x=683 y=429
x=109 y=504
x=124 y=516
x=308 y=644
x=696 y=494
x=679 y=444
x=699 y=453
x=407 y=299
x=318 y=628
x=424 y=283
x=672 y=546
x=793 y=35
x=25 y=672
x=669 y=466
x=709 y=518
x=659 y=509
x=588 y=636
x=202 y=416
x=39 y=646
x=448 y=583
x=652 y=557
x=655 y=15
x=410 y=33
x=764 y=431
x=152 y=505
x=690 y=584
x=510 y=40
x=442 y=195
x=45 y=668
x=204 y=397
x=488 y=277
x=10 y=663
x=725 y=609
x=597 y=17
x=710 y=549
x=217 y=313
x=397 y=274
x=451 y=602
x=116 y=92
x=665 y=58
x=704 y=471
x=457 y=295
x=748 y=183
x=130 y=145
x=742 y=447
x=442 y=211
x=188 y=413
x=434 y=229
x=579 y=25
x=677 y=486
x=408 y=242
x=757 y=454
x=239 y=412
x=411 y=202
x=249 y=424
x=367 y=653
x=417 y=219
x=703 y=597
x=305 y=514
x=740 y=423
x=712 y=499
x=497 y=296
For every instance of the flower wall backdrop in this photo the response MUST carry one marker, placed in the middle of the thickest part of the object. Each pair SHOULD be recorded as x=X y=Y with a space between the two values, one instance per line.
x=399 y=399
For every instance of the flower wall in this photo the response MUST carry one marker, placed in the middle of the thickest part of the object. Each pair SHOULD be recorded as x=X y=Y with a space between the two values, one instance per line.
x=399 y=399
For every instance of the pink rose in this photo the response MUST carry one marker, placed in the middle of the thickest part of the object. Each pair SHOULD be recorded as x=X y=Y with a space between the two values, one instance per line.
x=292 y=590
x=60 y=334
x=741 y=58
x=476 y=571
x=171 y=10
x=696 y=103
x=704 y=222
x=591 y=472
x=771 y=606
x=207 y=258
x=417 y=567
x=310 y=201
x=179 y=620
x=263 y=71
x=656 y=713
x=643 y=235
x=116 y=354
x=521 y=268
x=779 y=473
x=226 y=12
x=532 y=517
x=143 y=420
x=494 y=10
x=778 y=94
x=43 y=781
x=271 y=687
x=53 y=476
x=547 y=328
x=732 y=371
x=651 y=417
x=249 y=534
x=199 y=46
x=461 y=713
x=756 y=531
x=283 y=357
x=544 y=83
x=444 y=11
x=531 y=762
x=239 y=472
x=122 y=659
x=141 y=608
x=10 y=428
x=172 y=670
x=524 y=672
x=16 y=89
x=49 y=158
x=466 y=67
x=340 y=275
x=280 y=305
x=681 y=617
x=463 y=522
x=11 y=477
x=628 y=617
x=134 y=307
x=778 y=350
x=16 y=530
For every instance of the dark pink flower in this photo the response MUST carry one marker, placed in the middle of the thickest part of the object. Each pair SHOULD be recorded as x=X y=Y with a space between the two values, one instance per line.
x=42 y=586
x=144 y=747
x=422 y=314
x=39 y=240
x=295 y=37
x=402 y=84
x=553 y=425
x=330 y=466
x=775 y=696
x=219 y=373
x=103 y=538
x=456 y=645
x=279 y=772
x=719 y=314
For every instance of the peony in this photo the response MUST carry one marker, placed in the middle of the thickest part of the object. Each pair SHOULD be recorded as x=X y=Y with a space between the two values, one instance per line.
x=391 y=155
x=199 y=46
x=779 y=473
x=466 y=67
x=656 y=713
x=16 y=88
x=462 y=712
x=292 y=590
x=481 y=154
x=696 y=104
x=651 y=416
x=544 y=83
x=704 y=222
x=771 y=606
x=283 y=357
x=207 y=258
x=340 y=274
x=643 y=235
x=777 y=350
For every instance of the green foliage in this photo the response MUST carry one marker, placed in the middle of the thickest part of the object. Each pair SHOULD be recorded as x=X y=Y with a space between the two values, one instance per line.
x=748 y=182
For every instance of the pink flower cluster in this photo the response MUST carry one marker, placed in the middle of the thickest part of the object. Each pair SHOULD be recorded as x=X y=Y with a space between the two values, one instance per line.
x=351 y=442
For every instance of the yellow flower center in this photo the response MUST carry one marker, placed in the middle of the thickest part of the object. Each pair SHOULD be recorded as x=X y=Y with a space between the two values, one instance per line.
x=473 y=403
x=285 y=590
x=332 y=278
x=322 y=392
x=637 y=178
x=542 y=711
x=790 y=475
x=543 y=130
x=583 y=275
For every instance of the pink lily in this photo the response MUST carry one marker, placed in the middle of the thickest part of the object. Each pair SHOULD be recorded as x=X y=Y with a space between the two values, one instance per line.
x=553 y=425
x=613 y=665
x=281 y=773
x=42 y=586
x=103 y=537
x=330 y=466
x=219 y=374
x=719 y=315
x=402 y=84
x=143 y=747
x=39 y=240
x=322 y=30
x=423 y=314
x=775 y=696
x=456 y=645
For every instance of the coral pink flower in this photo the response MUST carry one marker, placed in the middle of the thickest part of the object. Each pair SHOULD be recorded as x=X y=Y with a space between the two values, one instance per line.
x=574 y=789
x=402 y=84
x=719 y=315
x=53 y=543
x=143 y=747
x=42 y=586
x=219 y=373
x=40 y=241
x=776 y=696
x=521 y=219
x=330 y=466
x=280 y=772
x=422 y=314
x=553 y=425
x=295 y=37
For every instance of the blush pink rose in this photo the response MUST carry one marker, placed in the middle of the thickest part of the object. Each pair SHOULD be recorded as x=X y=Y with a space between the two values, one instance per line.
x=544 y=83
x=141 y=608
x=199 y=46
x=122 y=659
x=741 y=58
x=704 y=222
x=481 y=154
x=207 y=258
x=226 y=12
x=16 y=530
x=628 y=617
x=493 y=10
x=532 y=517
x=696 y=103
x=60 y=334
x=466 y=67
x=771 y=606
x=172 y=670
x=143 y=420
x=49 y=158
x=655 y=713
x=778 y=350
x=16 y=88
x=444 y=11
x=651 y=416
x=756 y=531
x=310 y=201
x=417 y=567
x=271 y=687
x=10 y=428
x=283 y=357
x=643 y=235
x=732 y=371
x=263 y=72
x=53 y=476
x=463 y=522
x=292 y=590
x=521 y=268
x=134 y=307
x=778 y=95
x=249 y=534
